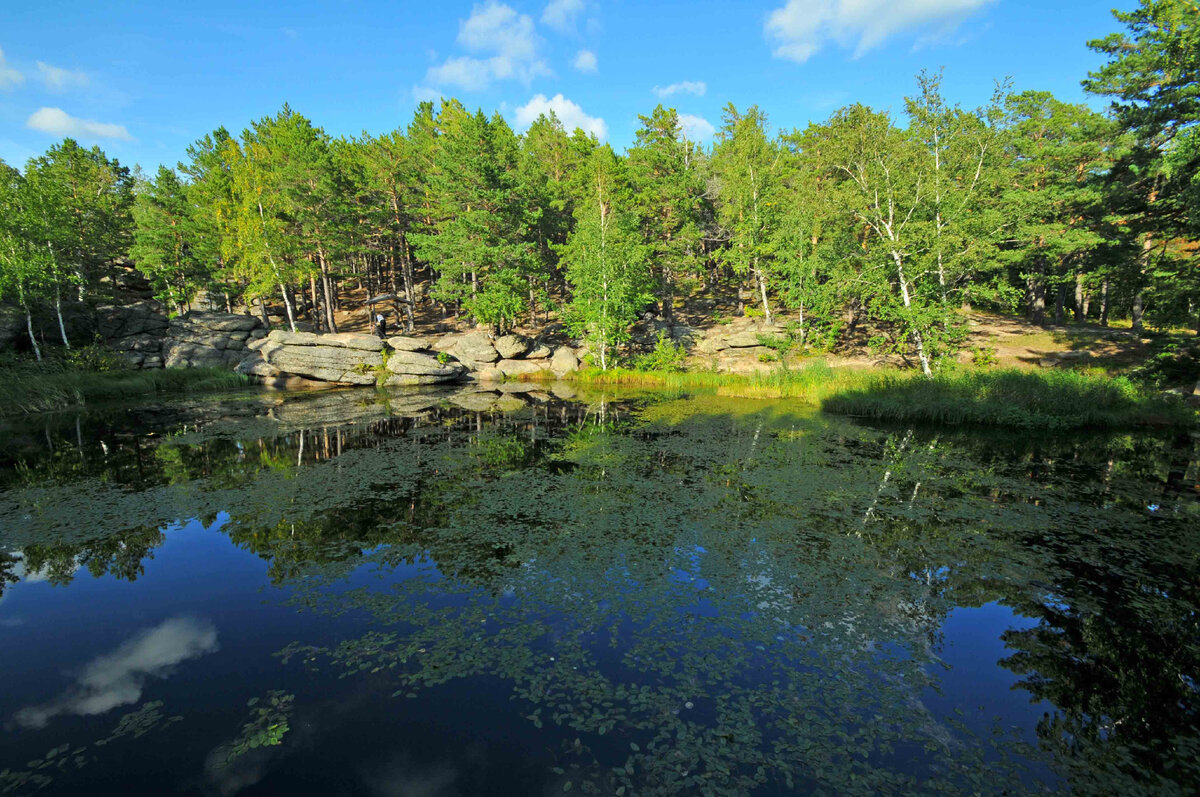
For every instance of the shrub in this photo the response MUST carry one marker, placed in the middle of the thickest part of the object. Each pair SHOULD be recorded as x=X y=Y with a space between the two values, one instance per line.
x=984 y=355
x=667 y=356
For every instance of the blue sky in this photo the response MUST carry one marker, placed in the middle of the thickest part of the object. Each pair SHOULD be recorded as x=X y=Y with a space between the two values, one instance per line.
x=144 y=79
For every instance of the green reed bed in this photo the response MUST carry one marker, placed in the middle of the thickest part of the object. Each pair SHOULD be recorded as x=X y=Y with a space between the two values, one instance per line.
x=1049 y=399
x=1044 y=400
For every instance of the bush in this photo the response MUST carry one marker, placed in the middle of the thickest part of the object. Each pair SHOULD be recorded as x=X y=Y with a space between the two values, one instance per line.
x=1175 y=363
x=984 y=355
x=667 y=356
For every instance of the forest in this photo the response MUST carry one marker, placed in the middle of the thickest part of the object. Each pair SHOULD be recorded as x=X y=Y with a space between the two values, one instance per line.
x=871 y=220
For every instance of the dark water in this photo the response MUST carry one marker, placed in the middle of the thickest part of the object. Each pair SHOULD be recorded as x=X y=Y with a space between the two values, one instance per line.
x=440 y=594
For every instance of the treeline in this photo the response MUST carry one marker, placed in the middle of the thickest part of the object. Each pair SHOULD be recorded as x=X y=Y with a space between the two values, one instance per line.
x=866 y=221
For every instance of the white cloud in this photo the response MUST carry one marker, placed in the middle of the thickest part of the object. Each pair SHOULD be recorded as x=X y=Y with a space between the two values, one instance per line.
x=58 y=79
x=425 y=94
x=570 y=114
x=697 y=87
x=58 y=122
x=802 y=27
x=585 y=61
x=465 y=72
x=696 y=128
x=562 y=14
x=507 y=43
x=118 y=678
x=9 y=77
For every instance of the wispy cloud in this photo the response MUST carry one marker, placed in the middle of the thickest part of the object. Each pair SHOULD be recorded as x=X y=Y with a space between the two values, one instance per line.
x=505 y=47
x=697 y=87
x=561 y=15
x=696 y=128
x=801 y=28
x=568 y=112
x=58 y=122
x=585 y=61
x=59 y=79
x=118 y=678
x=9 y=77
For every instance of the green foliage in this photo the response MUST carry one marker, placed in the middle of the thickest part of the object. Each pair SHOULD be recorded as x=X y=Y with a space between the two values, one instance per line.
x=668 y=356
x=1173 y=363
x=605 y=262
x=1041 y=400
x=983 y=356
x=167 y=248
x=96 y=358
x=266 y=726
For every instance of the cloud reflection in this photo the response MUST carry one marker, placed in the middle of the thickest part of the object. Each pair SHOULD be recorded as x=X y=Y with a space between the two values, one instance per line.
x=118 y=678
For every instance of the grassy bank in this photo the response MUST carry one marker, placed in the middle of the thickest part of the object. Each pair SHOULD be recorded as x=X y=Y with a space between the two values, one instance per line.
x=29 y=390
x=1036 y=400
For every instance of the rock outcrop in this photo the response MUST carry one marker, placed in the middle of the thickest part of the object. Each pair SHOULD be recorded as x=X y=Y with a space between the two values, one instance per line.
x=419 y=368
x=207 y=340
x=348 y=358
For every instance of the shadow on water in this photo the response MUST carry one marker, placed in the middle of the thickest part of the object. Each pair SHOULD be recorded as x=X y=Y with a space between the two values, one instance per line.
x=627 y=594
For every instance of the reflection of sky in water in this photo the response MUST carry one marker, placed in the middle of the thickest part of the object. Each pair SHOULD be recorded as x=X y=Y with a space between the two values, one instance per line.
x=118 y=678
x=467 y=611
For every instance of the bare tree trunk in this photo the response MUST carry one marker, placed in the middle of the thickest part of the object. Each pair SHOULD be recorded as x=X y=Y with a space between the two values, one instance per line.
x=312 y=298
x=262 y=307
x=1140 y=296
x=37 y=352
x=409 y=293
x=762 y=289
x=330 y=321
x=916 y=333
x=1060 y=305
x=62 y=328
x=1080 y=307
x=1037 y=294
x=1104 y=303
x=287 y=304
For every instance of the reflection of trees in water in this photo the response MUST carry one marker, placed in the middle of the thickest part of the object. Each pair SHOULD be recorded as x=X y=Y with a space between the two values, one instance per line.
x=786 y=577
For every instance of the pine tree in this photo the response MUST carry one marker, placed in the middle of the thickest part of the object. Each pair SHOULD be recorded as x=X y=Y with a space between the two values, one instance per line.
x=163 y=248
x=1153 y=77
x=477 y=237
x=1058 y=151
x=669 y=189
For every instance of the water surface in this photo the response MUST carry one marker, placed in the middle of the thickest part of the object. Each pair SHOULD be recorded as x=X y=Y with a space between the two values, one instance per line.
x=448 y=593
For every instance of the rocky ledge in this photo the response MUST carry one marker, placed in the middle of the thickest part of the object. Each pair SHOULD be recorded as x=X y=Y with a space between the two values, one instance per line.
x=358 y=359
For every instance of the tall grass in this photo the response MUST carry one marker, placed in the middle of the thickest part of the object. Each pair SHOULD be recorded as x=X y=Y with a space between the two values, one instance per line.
x=810 y=383
x=27 y=390
x=1036 y=400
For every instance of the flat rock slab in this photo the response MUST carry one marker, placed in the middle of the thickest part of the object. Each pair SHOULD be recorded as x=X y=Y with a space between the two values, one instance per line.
x=406 y=343
x=340 y=340
x=474 y=347
x=324 y=363
x=521 y=367
x=411 y=363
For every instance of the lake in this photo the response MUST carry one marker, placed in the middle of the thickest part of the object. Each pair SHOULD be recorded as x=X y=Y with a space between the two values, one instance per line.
x=454 y=593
